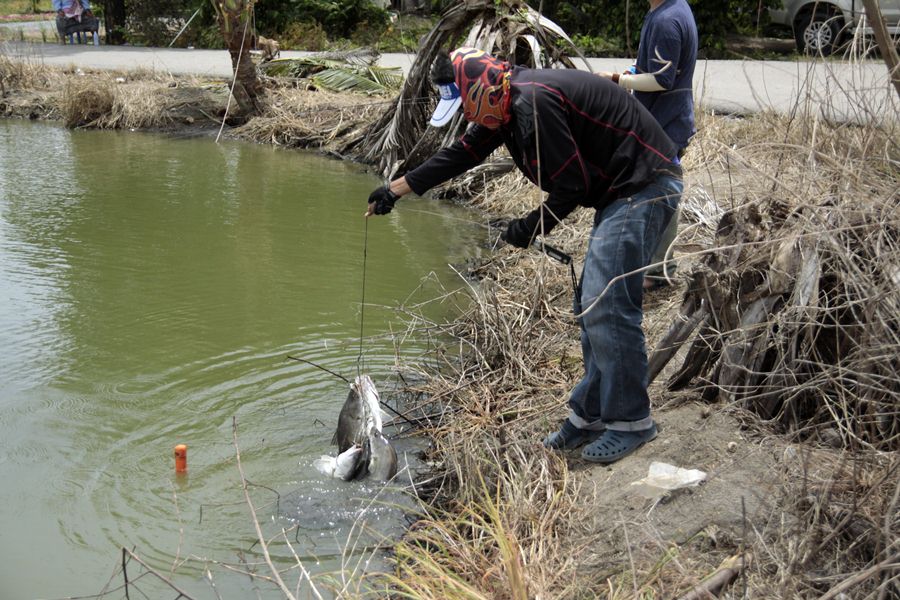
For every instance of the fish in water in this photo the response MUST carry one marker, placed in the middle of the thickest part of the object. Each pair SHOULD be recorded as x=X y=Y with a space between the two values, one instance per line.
x=362 y=448
x=347 y=465
x=359 y=414
x=382 y=457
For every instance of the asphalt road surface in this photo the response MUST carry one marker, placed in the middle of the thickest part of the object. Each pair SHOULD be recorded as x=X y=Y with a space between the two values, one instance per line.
x=858 y=91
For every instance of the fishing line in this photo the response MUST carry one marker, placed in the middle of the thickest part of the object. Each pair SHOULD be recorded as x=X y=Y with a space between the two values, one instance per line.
x=362 y=306
x=318 y=366
x=233 y=83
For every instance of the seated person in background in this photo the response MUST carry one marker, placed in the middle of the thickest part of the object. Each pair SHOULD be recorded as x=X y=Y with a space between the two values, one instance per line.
x=74 y=16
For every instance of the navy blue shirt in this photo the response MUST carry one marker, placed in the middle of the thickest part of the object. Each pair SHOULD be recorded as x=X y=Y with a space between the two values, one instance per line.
x=670 y=33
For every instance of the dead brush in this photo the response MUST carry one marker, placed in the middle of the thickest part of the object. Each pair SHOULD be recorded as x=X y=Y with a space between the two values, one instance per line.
x=844 y=539
x=794 y=214
x=19 y=74
x=301 y=118
x=799 y=290
x=503 y=541
x=85 y=101
x=138 y=105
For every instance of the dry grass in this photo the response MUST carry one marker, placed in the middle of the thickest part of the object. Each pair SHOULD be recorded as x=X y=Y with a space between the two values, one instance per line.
x=303 y=118
x=811 y=230
x=502 y=542
x=87 y=101
x=25 y=74
x=842 y=521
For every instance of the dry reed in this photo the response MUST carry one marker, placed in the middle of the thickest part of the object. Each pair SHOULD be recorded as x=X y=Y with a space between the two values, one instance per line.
x=303 y=118
x=16 y=73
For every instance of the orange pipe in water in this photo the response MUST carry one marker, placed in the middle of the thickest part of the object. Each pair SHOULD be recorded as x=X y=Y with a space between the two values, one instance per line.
x=181 y=458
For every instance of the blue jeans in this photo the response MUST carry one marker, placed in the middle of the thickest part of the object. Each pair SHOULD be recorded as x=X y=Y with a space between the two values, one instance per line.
x=613 y=392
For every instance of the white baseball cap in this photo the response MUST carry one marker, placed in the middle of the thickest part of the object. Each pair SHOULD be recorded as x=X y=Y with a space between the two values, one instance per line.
x=447 y=107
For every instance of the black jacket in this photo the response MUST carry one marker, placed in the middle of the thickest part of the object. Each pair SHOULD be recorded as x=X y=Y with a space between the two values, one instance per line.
x=597 y=143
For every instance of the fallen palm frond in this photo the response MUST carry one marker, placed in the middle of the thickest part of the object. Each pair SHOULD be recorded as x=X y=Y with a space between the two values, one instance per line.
x=510 y=29
x=339 y=72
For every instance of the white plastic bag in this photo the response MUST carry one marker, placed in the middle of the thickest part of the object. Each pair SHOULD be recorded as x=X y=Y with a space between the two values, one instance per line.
x=662 y=478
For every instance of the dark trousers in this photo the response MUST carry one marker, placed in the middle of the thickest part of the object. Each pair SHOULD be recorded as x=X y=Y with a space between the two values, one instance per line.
x=67 y=25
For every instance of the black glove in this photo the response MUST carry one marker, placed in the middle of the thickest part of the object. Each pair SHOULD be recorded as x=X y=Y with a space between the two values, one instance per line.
x=517 y=233
x=384 y=200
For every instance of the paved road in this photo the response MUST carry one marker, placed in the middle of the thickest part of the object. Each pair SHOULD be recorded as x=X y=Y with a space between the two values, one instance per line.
x=834 y=90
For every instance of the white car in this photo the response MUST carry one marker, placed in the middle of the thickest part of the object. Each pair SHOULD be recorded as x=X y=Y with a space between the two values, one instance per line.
x=821 y=25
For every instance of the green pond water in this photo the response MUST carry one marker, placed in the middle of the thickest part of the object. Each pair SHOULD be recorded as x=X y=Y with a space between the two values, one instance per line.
x=150 y=291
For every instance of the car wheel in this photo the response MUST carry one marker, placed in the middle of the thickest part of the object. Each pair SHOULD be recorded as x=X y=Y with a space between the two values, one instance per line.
x=818 y=33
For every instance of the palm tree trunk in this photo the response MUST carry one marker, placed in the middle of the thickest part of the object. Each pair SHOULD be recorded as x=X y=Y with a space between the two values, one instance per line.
x=114 y=17
x=234 y=22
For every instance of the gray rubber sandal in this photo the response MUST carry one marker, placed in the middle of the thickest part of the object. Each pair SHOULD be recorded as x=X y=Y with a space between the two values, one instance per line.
x=615 y=445
x=569 y=437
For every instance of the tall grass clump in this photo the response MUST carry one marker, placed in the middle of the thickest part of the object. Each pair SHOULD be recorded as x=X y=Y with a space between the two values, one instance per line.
x=86 y=100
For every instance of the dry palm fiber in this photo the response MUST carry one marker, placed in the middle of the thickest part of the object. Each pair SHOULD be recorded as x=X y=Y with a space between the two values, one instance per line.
x=508 y=29
x=301 y=118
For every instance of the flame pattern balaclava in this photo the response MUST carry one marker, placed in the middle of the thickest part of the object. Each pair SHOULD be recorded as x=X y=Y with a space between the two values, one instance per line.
x=484 y=86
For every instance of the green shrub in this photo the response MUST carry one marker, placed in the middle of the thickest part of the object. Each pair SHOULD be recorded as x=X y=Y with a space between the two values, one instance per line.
x=403 y=35
x=156 y=23
x=303 y=36
x=339 y=18
x=607 y=19
x=593 y=45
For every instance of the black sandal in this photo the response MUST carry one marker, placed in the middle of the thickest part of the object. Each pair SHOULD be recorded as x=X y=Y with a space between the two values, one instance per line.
x=614 y=445
x=570 y=437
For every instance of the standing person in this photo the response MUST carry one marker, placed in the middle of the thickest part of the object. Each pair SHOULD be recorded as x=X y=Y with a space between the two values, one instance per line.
x=662 y=80
x=587 y=143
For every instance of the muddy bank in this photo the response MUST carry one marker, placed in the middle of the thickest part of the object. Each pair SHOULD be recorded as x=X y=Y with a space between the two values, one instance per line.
x=500 y=515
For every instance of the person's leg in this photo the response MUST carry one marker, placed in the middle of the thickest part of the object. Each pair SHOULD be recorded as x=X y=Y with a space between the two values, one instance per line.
x=628 y=232
x=583 y=424
x=658 y=275
x=61 y=28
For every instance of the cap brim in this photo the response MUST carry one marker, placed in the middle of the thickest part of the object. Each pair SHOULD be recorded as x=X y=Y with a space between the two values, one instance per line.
x=444 y=112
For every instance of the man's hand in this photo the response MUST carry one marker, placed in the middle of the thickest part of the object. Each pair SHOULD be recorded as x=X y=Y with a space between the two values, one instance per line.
x=517 y=233
x=381 y=201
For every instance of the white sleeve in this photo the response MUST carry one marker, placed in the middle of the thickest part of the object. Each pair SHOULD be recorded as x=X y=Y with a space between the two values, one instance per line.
x=641 y=82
